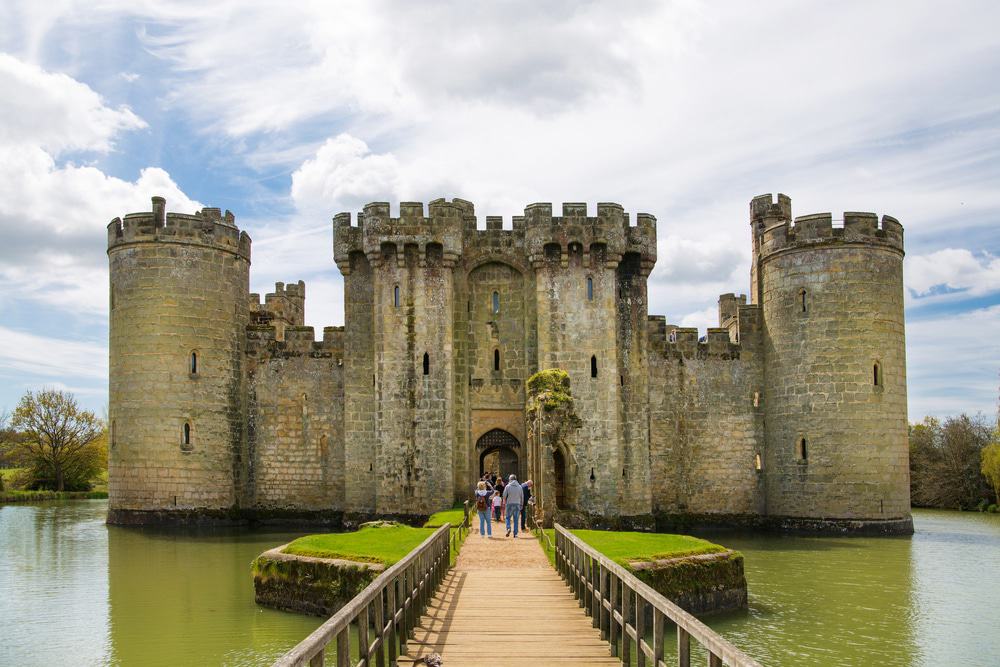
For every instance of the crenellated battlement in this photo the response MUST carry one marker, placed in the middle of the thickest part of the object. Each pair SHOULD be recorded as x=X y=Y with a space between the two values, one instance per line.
x=775 y=231
x=684 y=343
x=448 y=227
x=606 y=237
x=284 y=307
x=209 y=227
x=437 y=235
x=265 y=340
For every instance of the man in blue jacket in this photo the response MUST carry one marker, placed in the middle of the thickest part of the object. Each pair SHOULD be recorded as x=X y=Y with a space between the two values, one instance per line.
x=514 y=496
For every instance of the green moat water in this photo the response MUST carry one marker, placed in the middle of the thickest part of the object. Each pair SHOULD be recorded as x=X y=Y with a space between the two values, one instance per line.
x=76 y=592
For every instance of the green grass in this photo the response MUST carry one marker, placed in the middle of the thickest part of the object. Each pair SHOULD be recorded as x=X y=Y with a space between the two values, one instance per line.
x=32 y=496
x=549 y=553
x=625 y=547
x=453 y=516
x=371 y=544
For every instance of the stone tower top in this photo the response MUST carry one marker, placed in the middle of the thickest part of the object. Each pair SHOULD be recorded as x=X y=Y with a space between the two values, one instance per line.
x=775 y=231
x=452 y=226
x=209 y=227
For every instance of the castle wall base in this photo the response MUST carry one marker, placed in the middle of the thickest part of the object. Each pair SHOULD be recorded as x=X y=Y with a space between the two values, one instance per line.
x=693 y=523
x=227 y=517
x=575 y=519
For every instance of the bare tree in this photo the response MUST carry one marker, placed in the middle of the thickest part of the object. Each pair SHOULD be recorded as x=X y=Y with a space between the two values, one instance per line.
x=58 y=437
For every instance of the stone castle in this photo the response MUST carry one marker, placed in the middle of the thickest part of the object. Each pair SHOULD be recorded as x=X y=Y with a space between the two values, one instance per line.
x=792 y=412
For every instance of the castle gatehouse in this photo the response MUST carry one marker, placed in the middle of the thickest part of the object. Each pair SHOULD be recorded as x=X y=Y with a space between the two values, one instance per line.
x=791 y=412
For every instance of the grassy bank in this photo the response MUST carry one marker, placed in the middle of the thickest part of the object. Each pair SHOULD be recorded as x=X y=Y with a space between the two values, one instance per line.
x=696 y=574
x=36 y=496
x=454 y=516
x=626 y=547
x=385 y=544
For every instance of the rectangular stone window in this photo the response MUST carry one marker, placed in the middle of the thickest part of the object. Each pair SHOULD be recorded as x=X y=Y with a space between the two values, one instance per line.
x=801 y=450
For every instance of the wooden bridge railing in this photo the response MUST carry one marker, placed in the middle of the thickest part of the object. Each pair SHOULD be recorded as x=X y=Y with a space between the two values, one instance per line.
x=391 y=605
x=462 y=529
x=622 y=607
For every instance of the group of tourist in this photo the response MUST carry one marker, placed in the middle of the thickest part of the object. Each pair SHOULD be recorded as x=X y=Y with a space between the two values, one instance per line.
x=494 y=499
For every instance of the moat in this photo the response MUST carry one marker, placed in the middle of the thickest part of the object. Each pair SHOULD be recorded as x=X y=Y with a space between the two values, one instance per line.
x=84 y=593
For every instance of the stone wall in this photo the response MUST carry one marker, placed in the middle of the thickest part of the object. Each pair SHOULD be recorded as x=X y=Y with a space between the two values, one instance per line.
x=498 y=364
x=359 y=382
x=705 y=430
x=296 y=390
x=578 y=335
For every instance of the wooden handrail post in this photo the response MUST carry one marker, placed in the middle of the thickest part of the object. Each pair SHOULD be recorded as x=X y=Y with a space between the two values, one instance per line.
x=393 y=635
x=683 y=648
x=344 y=647
x=615 y=603
x=658 y=631
x=640 y=630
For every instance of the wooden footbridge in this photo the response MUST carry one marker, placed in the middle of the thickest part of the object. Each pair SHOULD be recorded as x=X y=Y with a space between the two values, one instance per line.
x=504 y=604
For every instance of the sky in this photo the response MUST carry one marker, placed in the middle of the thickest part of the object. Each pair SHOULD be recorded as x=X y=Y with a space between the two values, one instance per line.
x=288 y=115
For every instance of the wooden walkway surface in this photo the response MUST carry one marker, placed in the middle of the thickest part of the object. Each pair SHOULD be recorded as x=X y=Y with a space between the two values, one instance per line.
x=502 y=605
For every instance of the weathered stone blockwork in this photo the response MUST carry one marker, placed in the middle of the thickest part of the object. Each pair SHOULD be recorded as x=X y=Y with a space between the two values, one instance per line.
x=792 y=412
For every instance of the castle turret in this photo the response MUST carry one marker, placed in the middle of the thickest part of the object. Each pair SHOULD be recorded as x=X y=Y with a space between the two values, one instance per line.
x=835 y=367
x=591 y=309
x=411 y=260
x=179 y=309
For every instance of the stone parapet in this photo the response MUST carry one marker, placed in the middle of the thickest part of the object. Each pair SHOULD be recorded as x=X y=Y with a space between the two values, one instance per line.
x=775 y=231
x=208 y=227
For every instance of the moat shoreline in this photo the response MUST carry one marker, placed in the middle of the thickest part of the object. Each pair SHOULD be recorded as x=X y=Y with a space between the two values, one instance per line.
x=660 y=523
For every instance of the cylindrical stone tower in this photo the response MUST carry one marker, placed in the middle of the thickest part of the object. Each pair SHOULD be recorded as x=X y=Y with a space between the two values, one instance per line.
x=179 y=309
x=835 y=367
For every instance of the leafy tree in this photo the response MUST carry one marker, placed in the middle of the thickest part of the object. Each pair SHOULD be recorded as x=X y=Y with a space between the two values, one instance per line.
x=945 y=462
x=63 y=445
x=990 y=466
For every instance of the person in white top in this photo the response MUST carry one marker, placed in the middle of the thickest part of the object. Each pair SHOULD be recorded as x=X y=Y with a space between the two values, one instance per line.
x=497 y=503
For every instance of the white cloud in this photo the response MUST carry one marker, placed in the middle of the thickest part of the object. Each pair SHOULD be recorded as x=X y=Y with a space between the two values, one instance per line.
x=54 y=112
x=53 y=220
x=954 y=269
x=53 y=214
x=343 y=175
x=952 y=363
x=702 y=319
x=27 y=353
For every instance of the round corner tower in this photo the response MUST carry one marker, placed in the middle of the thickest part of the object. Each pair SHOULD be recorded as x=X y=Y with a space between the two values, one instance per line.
x=835 y=366
x=179 y=301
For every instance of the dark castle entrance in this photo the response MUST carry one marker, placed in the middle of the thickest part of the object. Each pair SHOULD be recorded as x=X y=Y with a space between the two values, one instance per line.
x=498 y=452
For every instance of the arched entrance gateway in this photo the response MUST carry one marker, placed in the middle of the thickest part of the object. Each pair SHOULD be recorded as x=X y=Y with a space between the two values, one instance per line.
x=499 y=452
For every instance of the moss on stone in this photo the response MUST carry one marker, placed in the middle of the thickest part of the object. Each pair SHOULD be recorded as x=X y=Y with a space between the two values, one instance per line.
x=308 y=585
x=695 y=574
x=550 y=388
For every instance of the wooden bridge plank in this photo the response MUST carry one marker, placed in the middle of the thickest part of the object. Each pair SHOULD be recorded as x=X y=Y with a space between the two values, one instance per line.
x=469 y=622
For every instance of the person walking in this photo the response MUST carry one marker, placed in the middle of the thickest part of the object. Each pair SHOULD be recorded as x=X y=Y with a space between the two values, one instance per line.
x=497 y=506
x=483 y=508
x=526 y=489
x=514 y=497
x=499 y=487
